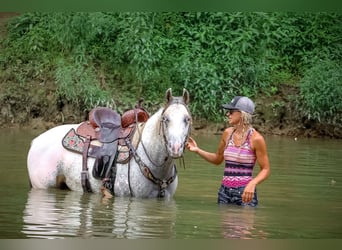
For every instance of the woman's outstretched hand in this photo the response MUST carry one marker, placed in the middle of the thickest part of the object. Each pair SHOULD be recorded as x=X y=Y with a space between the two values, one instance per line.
x=191 y=145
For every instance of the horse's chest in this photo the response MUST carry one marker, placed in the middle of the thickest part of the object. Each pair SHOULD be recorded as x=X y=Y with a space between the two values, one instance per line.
x=130 y=181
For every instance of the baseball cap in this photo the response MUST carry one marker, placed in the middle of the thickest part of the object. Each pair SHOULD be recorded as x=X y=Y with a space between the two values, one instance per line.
x=241 y=103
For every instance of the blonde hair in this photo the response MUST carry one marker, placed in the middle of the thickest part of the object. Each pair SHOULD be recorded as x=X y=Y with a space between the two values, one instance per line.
x=246 y=118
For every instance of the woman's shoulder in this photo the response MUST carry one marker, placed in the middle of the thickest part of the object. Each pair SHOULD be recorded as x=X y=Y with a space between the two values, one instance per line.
x=257 y=134
x=227 y=132
x=257 y=137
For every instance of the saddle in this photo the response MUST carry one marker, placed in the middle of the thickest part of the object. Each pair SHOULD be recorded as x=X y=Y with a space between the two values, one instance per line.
x=100 y=137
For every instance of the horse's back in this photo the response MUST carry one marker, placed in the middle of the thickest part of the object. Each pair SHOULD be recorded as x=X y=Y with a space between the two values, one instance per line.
x=44 y=155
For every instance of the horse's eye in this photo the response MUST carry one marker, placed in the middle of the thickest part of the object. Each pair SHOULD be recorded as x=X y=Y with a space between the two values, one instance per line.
x=187 y=119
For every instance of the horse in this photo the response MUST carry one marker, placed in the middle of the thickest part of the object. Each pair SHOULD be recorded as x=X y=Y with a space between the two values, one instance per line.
x=149 y=172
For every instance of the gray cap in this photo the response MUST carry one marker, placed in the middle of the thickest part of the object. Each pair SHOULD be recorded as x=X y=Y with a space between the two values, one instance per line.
x=241 y=103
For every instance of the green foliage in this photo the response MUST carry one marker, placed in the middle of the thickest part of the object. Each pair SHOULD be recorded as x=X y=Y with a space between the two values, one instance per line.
x=215 y=55
x=79 y=85
x=321 y=93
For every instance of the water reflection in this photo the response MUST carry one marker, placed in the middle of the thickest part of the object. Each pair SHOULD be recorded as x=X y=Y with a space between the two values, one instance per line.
x=239 y=222
x=143 y=218
x=57 y=214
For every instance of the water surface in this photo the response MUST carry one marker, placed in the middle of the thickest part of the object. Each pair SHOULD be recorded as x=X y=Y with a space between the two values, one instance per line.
x=301 y=199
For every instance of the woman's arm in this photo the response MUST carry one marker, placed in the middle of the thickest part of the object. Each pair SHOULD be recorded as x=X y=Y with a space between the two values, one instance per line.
x=214 y=158
x=259 y=145
x=262 y=158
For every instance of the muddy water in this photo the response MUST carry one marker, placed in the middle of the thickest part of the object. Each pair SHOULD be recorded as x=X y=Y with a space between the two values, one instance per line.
x=301 y=199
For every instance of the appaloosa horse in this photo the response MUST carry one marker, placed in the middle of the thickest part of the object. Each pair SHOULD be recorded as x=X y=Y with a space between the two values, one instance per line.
x=148 y=172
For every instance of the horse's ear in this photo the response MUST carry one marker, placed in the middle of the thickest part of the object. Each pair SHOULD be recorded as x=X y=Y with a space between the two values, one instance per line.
x=186 y=96
x=168 y=95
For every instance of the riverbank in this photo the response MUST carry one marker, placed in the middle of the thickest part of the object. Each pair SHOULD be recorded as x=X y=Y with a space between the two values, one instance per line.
x=35 y=105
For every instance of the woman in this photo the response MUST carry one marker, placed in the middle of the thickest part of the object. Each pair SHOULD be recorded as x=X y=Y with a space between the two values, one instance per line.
x=240 y=146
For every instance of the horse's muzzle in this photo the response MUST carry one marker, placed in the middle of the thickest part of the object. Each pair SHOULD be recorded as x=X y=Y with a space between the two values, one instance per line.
x=176 y=150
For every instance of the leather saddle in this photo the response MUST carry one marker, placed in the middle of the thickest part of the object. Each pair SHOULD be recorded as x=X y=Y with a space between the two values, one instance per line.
x=100 y=136
x=104 y=125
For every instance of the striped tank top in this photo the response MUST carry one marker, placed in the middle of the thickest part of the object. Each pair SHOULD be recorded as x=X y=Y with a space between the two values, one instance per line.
x=239 y=162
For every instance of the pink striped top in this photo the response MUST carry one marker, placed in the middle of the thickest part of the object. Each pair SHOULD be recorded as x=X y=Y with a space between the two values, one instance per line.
x=239 y=162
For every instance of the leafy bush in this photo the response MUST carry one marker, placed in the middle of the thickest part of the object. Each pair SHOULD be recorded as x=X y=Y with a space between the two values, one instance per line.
x=79 y=85
x=321 y=93
x=215 y=55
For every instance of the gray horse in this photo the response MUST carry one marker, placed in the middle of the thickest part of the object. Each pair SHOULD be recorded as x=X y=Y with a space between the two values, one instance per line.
x=150 y=173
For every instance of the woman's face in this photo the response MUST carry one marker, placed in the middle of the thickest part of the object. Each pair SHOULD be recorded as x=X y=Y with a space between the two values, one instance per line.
x=234 y=117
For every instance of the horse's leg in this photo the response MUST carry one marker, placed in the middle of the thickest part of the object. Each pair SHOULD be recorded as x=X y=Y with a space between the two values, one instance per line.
x=44 y=158
x=122 y=182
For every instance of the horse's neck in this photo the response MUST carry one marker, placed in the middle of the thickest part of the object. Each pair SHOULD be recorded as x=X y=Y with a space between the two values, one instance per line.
x=152 y=138
x=154 y=143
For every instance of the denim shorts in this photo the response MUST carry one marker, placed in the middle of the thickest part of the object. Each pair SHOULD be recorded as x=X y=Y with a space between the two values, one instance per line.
x=227 y=195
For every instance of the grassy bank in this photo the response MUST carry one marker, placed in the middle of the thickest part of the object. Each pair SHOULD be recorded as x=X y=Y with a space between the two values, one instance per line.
x=57 y=66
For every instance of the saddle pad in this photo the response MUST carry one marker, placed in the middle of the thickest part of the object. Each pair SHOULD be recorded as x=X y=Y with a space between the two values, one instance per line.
x=73 y=142
x=123 y=154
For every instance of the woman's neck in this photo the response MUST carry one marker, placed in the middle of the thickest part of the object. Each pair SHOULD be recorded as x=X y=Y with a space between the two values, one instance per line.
x=240 y=134
x=241 y=129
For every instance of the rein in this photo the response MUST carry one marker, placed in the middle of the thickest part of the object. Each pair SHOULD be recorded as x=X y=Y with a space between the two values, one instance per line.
x=162 y=183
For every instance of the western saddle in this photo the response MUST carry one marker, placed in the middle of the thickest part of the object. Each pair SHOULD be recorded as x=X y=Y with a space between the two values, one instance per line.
x=99 y=137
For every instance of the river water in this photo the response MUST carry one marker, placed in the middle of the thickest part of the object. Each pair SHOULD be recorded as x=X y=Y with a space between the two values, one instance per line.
x=301 y=199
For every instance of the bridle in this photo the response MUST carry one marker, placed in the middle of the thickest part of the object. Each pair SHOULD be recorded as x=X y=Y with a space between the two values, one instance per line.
x=175 y=100
x=145 y=170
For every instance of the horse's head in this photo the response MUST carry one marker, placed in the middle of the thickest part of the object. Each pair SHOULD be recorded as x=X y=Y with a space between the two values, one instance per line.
x=176 y=122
